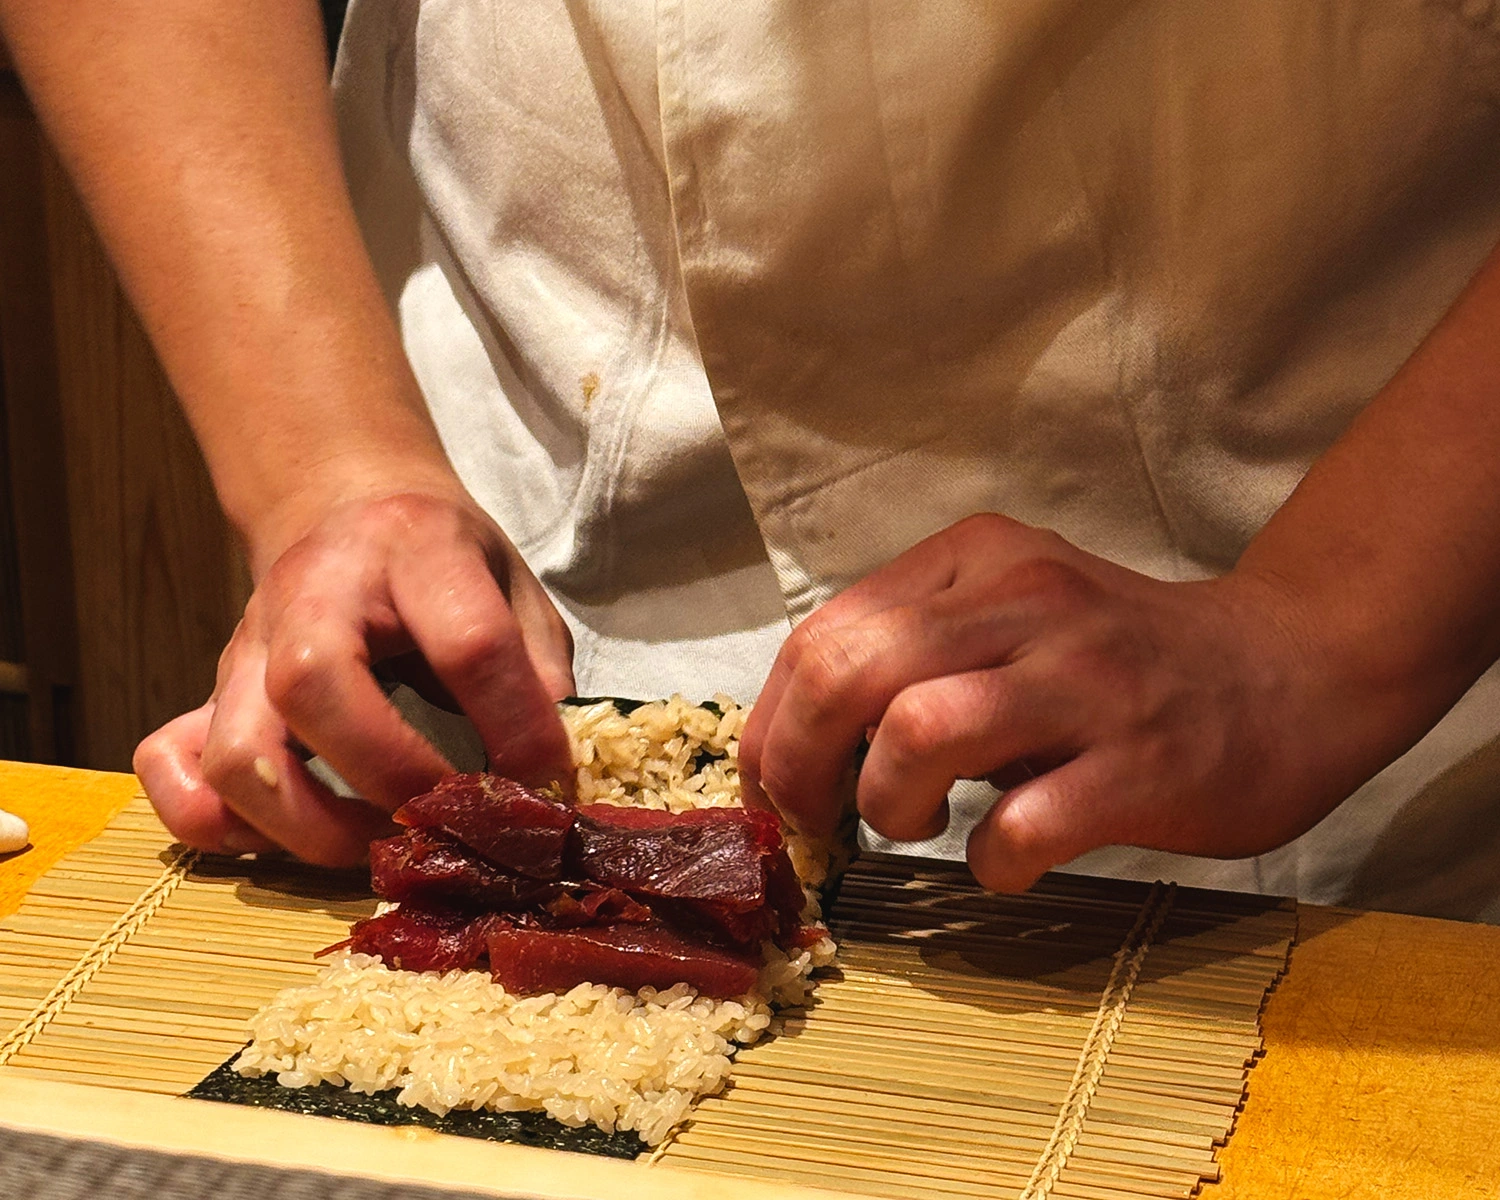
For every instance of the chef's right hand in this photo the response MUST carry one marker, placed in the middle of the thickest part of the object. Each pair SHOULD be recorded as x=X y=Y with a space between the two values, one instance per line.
x=372 y=579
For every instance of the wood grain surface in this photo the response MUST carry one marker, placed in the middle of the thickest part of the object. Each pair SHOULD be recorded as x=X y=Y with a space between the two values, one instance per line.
x=1382 y=1069
x=133 y=581
x=159 y=581
x=31 y=447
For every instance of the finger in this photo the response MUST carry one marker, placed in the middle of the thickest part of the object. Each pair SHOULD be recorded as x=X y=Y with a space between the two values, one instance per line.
x=248 y=763
x=456 y=613
x=928 y=568
x=956 y=727
x=549 y=641
x=847 y=679
x=318 y=680
x=1040 y=825
x=926 y=571
x=169 y=765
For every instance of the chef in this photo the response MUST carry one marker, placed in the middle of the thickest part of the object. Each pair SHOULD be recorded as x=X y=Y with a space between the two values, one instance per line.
x=1098 y=400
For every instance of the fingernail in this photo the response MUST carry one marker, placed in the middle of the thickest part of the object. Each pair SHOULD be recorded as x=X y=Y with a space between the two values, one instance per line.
x=240 y=841
x=265 y=771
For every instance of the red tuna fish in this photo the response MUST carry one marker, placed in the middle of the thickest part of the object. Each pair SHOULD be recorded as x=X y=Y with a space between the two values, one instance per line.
x=723 y=871
x=431 y=868
x=509 y=824
x=420 y=940
x=531 y=961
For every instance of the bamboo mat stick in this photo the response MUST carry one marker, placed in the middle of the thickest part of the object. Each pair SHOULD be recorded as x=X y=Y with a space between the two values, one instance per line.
x=935 y=1127
x=982 y=1051
x=981 y=1140
x=80 y=1072
x=884 y=981
x=966 y=1171
x=914 y=1145
x=981 y=1056
x=1003 y=1064
x=948 y=1024
x=884 y=1182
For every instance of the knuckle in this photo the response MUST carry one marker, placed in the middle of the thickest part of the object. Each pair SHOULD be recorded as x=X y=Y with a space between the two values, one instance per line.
x=297 y=675
x=227 y=656
x=189 y=827
x=782 y=788
x=984 y=526
x=800 y=640
x=915 y=729
x=1010 y=860
x=1025 y=841
x=980 y=534
x=471 y=652
x=896 y=817
x=201 y=826
x=151 y=755
x=286 y=582
x=1050 y=583
x=416 y=519
x=405 y=510
x=997 y=874
x=833 y=668
x=561 y=634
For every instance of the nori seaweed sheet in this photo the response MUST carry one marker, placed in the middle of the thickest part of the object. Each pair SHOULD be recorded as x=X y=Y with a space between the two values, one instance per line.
x=226 y=1085
x=626 y=706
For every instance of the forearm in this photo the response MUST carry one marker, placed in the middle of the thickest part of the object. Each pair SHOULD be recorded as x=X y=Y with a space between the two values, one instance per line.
x=1393 y=538
x=201 y=137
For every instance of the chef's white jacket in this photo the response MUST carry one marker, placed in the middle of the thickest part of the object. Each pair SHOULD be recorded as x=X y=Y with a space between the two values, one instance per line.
x=718 y=307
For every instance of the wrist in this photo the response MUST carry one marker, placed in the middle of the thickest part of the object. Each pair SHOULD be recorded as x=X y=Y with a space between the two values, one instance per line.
x=285 y=515
x=1349 y=690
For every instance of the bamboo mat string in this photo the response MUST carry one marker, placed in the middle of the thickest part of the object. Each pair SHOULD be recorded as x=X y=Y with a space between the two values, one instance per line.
x=141 y=910
x=1129 y=959
x=661 y=1147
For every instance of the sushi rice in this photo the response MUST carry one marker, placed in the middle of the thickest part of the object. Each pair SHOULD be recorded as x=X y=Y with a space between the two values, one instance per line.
x=594 y=1055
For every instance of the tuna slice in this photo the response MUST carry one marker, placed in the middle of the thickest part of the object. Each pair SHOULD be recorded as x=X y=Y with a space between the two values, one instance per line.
x=507 y=823
x=720 y=871
x=420 y=940
x=709 y=854
x=531 y=961
x=430 y=868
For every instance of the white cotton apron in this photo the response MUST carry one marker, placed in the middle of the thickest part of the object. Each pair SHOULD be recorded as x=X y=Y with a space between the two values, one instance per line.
x=719 y=307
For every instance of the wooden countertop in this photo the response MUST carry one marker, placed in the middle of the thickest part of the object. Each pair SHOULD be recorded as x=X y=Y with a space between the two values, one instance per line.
x=1382 y=1069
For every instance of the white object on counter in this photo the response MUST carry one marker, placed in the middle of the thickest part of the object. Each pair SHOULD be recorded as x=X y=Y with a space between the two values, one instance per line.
x=14 y=832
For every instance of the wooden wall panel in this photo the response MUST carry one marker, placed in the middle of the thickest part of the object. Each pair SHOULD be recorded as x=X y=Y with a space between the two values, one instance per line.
x=40 y=645
x=159 y=580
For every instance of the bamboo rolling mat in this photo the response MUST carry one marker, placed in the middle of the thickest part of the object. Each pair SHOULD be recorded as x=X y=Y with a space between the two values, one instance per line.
x=1091 y=1039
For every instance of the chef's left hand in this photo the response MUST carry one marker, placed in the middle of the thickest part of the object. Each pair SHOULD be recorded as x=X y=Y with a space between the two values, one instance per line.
x=1192 y=717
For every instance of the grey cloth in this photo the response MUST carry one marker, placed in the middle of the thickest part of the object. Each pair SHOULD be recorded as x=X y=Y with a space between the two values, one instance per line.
x=38 y=1167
